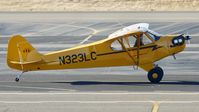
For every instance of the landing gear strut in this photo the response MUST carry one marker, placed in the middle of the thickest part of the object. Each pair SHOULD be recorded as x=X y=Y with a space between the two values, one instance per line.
x=155 y=75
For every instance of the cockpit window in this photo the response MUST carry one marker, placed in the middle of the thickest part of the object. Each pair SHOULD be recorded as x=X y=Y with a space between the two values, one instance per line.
x=131 y=41
x=153 y=35
x=116 y=46
x=145 y=40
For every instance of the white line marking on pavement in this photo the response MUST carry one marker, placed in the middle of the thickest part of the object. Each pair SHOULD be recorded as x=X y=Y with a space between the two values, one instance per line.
x=99 y=93
x=165 y=26
x=192 y=45
x=45 y=30
x=44 y=45
x=94 y=33
x=41 y=88
x=100 y=102
x=190 y=52
x=59 y=26
x=93 y=102
x=85 y=27
x=87 y=38
x=182 y=29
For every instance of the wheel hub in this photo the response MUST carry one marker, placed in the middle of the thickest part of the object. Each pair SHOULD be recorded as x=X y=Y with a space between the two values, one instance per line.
x=155 y=75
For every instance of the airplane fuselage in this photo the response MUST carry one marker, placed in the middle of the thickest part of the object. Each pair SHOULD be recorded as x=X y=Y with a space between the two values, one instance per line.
x=100 y=54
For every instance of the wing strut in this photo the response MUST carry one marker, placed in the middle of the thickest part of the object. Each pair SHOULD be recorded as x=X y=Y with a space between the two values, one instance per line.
x=138 y=51
x=120 y=40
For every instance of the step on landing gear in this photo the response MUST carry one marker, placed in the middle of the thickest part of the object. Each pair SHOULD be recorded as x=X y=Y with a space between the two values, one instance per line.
x=155 y=75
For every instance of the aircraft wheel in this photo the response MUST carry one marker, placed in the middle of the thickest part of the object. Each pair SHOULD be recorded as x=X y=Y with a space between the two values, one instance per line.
x=17 y=79
x=155 y=75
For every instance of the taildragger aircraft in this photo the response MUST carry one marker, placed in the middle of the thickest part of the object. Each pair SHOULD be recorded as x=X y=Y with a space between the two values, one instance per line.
x=135 y=45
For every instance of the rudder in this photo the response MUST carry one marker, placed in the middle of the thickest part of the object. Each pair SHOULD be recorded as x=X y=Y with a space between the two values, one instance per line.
x=20 y=51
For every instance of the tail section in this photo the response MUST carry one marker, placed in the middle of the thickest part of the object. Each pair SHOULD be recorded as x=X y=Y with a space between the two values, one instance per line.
x=21 y=52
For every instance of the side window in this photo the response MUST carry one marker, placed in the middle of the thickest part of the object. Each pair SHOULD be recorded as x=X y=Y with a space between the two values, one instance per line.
x=126 y=42
x=145 y=40
x=116 y=46
x=132 y=41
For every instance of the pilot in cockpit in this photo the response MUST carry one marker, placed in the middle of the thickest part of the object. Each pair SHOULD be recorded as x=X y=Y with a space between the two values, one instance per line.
x=141 y=40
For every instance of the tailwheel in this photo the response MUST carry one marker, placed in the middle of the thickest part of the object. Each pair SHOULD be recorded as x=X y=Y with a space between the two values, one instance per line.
x=17 y=79
x=155 y=75
x=18 y=76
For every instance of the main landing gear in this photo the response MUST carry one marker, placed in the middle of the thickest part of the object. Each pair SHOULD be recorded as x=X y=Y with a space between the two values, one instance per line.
x=155 y=75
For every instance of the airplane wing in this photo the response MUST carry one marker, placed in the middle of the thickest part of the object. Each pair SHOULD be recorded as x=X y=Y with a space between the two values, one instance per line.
x=140 y=27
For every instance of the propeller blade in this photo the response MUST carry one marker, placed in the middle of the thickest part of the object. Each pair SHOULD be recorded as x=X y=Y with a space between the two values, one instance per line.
x=189 y=42
x=187 y=38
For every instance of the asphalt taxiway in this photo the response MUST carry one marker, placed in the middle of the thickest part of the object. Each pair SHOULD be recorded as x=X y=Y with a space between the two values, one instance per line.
x=98 y=89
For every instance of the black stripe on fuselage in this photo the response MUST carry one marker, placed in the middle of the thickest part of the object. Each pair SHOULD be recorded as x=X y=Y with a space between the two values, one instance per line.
x=125 y=51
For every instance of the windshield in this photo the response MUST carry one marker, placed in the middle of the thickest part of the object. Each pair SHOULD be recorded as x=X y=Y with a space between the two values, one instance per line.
x=154 y=35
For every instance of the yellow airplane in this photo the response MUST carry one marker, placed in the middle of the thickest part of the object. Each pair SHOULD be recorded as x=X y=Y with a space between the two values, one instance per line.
x=135 y=45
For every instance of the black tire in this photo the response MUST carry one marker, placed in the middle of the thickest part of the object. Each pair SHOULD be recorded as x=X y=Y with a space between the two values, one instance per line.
x=155 y=75
x=17 y=79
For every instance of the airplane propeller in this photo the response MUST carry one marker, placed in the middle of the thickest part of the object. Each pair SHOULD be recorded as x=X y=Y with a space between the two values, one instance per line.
x=187 y=38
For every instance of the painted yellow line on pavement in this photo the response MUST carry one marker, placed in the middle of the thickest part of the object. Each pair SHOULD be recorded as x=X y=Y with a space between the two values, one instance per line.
x=156 y=106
